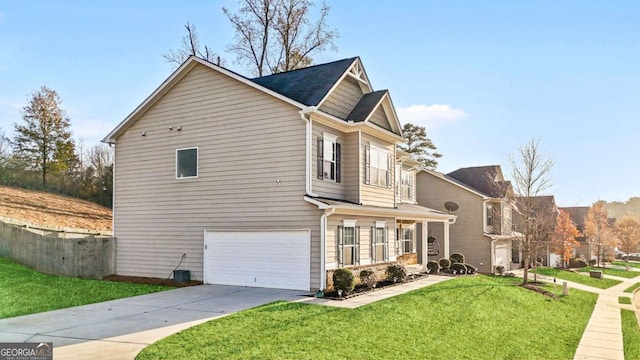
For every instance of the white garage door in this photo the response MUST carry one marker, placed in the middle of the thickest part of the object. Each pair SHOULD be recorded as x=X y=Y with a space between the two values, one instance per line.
x=272 y=258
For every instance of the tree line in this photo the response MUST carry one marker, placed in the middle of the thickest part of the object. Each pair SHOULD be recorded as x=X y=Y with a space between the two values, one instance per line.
x=42 y=154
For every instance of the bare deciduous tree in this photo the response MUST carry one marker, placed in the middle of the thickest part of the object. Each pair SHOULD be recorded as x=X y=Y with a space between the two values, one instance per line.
x=277 y=35
x=531 y=173
x=191 y=47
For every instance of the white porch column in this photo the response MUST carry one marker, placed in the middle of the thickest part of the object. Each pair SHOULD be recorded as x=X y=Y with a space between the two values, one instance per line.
x=424 y=242
x=446 y=239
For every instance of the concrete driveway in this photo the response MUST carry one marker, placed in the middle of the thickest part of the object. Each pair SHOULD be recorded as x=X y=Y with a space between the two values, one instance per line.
x=119 y=329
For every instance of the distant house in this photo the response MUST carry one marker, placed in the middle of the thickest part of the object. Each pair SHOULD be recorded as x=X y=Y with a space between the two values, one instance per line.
x=546 y=212
x=578 y=215
x=483 y=230
x=270 y=182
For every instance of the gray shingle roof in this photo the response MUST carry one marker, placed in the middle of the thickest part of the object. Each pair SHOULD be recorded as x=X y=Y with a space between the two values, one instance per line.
x=479 y=178
x=307 y=85
x=365 y=106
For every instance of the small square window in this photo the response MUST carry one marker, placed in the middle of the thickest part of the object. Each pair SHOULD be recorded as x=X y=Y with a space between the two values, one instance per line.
x=186 y=163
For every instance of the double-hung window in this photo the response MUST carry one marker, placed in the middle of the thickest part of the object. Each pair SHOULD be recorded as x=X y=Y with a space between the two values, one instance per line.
x=407 y=185
x=348 y=243
x=379 y=243
x=328 y=158
x=378 y=166
x=187 y=163
x=407 y=240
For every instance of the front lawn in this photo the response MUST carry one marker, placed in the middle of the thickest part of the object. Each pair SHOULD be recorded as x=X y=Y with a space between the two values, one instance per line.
x=577 y=278
x=624 y=300
x=476 y=317
x=630 y=335
x=632 y=288
x=612 y=272
x=631 y=264
x=24 y=291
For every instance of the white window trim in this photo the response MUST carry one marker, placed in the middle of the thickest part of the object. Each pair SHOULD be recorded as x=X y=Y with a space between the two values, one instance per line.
x=385 y=151
x=327 y=137
x=197 y=163
x=381 y=224
x=349 y=223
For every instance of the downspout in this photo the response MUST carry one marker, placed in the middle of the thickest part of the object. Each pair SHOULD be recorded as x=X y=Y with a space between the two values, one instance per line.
x=492 y=247
x=323 y=246
x=304 y=115
x=395 y=180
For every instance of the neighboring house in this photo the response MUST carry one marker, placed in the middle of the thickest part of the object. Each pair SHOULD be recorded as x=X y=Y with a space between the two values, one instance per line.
x=483 y=231
x=546 y=212
x=268 y=182
x=578 y=215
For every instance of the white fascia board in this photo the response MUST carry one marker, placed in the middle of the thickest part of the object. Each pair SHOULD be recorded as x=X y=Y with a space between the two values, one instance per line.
x=175 y=77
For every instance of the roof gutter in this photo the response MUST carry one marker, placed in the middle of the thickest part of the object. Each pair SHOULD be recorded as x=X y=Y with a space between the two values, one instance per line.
x=304 y=115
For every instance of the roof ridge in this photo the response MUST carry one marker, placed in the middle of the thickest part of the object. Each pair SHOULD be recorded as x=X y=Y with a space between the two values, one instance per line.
x=304 y=68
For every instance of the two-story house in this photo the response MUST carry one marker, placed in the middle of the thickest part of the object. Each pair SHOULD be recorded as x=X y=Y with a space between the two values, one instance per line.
x=482 y=201
x=270 y=182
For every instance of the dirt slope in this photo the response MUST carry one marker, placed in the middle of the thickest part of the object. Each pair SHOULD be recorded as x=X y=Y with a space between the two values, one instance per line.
x=53 y=210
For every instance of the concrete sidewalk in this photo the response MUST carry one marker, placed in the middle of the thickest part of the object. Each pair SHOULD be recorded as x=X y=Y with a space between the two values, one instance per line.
x=119 y=329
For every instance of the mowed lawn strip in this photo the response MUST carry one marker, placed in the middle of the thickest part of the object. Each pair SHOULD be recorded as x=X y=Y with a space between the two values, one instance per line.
x=630 y=335
x=24 y=291
x=631 y=264
x=612 y=272
x=577 y=278
x=624 y=300
x=476 y=317
x=632 y=288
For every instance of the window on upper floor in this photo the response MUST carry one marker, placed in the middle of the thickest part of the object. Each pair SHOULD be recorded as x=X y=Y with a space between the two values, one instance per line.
x=328 y=158
x=186 y=163
x=489 y=215
x=378 y=167
x=407 y=185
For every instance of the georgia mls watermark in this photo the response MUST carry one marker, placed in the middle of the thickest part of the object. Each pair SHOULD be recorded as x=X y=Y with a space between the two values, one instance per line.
x=26 y=351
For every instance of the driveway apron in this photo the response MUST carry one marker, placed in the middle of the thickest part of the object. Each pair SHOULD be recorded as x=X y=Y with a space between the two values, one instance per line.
x=119 y=329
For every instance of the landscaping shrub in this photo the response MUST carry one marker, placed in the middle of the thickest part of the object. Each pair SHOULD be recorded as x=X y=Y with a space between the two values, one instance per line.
x=459 y=268
x=457 y=258
x=471 y=269
x=433 y=266
x=368 y=278
x=577 y=263
x=344 y=280
x=396 y=273
x=500 y=269
x=593 y=262
x=445 y=264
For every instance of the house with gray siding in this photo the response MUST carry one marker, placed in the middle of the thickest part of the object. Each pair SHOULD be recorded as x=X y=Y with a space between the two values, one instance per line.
x=484 y=201
x=269 y=182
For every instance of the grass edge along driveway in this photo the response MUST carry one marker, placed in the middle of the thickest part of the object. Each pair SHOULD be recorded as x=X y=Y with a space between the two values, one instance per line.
x=24 y=291
x=477 y=317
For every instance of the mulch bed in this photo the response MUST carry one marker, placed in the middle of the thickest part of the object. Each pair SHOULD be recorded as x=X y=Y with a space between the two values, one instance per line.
x=532 y=287
x=151 y=281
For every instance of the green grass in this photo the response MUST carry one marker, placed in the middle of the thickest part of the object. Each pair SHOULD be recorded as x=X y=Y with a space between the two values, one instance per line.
x=630 y=335
x=577 y=278
x=631 y=288
x=612 y=272
x=24 y=291
x=465 y=318
x=624 y=300
x=631 y=264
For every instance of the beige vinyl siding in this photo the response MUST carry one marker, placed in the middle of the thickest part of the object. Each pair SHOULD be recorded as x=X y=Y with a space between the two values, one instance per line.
x=343 y=98
x=365 y=224
x=372 y=194
x=251 y=174
x=380 y=118
x=466 y=235
x=350 y=166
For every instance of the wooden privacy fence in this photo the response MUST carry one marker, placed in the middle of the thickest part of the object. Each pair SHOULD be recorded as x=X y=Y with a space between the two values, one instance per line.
x=66 y=252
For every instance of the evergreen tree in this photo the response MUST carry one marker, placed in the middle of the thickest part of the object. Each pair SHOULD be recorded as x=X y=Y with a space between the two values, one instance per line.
x=419 y=146
x=43 y=139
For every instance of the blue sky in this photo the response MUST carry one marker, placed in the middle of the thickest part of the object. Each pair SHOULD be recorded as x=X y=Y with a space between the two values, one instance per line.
x=484 y=77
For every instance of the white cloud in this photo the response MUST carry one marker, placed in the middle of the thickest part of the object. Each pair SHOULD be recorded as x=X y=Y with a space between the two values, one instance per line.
x=431 y=116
